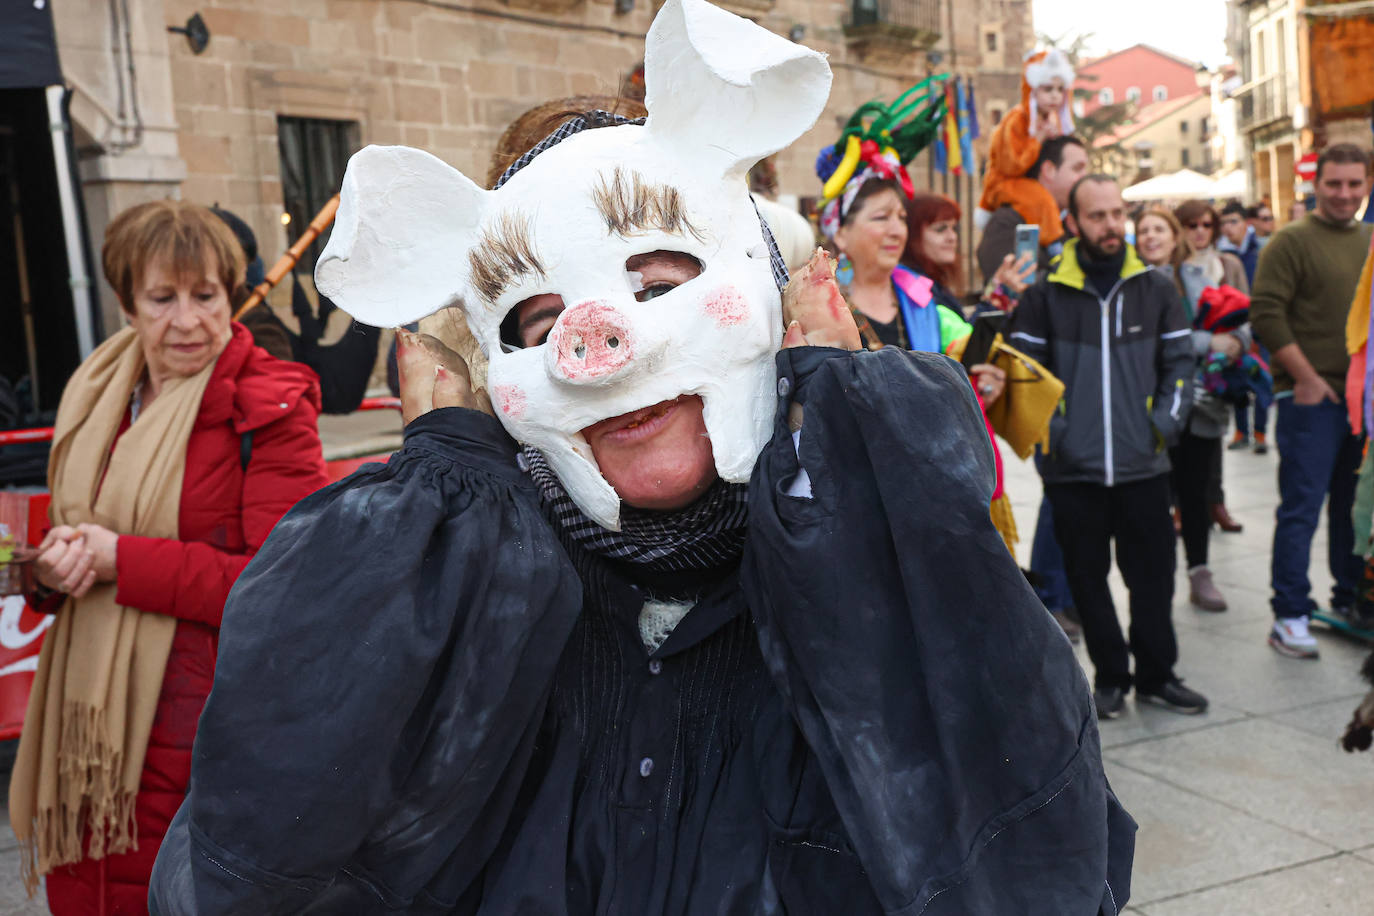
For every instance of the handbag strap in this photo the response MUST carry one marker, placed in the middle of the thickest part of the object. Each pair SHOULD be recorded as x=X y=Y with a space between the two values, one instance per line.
x=1000 y=346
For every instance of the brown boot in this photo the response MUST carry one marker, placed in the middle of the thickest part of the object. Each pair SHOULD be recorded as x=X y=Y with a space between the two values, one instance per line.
x=1203 y=592
x=1224 y=520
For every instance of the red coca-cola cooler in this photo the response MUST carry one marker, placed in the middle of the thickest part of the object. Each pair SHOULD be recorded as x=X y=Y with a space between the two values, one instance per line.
x=23 y=520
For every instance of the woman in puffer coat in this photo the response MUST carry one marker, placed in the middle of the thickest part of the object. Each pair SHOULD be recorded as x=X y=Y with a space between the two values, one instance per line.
x=179 y=444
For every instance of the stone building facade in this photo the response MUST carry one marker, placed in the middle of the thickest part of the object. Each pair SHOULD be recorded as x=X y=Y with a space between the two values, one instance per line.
x=285 y=89
x=1308 y=84
x=1161 y=138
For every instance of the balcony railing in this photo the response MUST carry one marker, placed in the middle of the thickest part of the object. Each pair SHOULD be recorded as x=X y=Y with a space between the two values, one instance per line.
x=1265 y=101
x=912 y=14
x=892 y=25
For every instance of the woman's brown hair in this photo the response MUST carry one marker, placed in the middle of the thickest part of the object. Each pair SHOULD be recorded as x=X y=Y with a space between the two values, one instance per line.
x=1192 y=211
x=187 y=236
x=921 y=211
x=526 y=131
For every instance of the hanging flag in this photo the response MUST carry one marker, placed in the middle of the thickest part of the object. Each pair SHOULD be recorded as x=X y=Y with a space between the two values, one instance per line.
x=940 y=153
x=965 y=129
x=974 y=130
x=956 y=159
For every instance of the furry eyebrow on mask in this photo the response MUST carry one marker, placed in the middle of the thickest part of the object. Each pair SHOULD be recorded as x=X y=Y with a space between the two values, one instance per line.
x=504 y=255
x=630 y=204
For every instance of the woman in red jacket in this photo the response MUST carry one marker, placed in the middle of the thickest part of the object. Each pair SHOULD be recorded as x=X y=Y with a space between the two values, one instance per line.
x=179 y=444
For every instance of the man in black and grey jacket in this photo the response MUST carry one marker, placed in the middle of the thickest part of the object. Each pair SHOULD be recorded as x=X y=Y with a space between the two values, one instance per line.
x=1115 y=332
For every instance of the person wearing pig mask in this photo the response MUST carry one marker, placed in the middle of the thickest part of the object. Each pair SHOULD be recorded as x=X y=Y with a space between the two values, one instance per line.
x=641 y=639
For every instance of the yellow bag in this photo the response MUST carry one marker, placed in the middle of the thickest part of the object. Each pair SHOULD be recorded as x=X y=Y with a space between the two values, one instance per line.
x=1022 y=414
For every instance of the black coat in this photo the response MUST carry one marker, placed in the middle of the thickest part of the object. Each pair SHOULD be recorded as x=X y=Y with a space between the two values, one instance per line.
x=424 y=703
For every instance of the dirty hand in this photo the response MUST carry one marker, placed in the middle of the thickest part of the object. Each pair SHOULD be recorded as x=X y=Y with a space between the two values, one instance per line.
x=813 y=303
x=433 y=376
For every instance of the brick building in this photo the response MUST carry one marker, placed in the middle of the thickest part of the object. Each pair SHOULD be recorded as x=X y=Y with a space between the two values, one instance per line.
x=1140 y=74
x=1160 y=138
x=256 y=104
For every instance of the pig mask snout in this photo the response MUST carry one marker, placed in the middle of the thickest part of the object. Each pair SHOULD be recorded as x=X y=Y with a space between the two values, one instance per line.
x=592 y=342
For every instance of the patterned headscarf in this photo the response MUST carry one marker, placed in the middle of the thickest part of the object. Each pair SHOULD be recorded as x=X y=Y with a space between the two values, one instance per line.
x=834 y=212
x=704 y=535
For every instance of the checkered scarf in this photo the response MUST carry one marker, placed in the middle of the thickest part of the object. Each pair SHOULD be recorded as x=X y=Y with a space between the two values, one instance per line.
x=706 y=534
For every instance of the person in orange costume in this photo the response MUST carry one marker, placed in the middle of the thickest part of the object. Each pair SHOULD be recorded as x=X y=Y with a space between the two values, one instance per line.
x=1015 y=146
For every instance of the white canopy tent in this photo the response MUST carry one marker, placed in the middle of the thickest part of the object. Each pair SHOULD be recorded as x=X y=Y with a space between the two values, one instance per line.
x=1180 y=185
x=1231 y=185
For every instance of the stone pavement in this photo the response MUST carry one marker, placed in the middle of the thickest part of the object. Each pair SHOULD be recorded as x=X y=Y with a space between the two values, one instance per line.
x=1249 y=809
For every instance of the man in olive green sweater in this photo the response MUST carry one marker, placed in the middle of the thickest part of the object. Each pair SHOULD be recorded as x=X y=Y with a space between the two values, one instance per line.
x=1302 y=292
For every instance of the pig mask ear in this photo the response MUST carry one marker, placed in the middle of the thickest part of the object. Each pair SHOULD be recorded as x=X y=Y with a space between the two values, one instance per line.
x=727 y=89
x=398 y=249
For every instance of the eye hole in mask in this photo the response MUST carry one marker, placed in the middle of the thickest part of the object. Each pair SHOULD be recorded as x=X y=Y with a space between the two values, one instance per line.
x=658 y=272
x=650 y=275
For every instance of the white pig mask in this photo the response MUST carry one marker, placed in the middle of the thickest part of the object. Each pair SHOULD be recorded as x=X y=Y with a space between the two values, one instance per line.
x=413 y=236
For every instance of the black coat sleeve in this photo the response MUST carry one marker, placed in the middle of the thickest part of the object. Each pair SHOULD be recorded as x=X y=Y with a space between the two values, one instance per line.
x=384 y=663
x=947 y=710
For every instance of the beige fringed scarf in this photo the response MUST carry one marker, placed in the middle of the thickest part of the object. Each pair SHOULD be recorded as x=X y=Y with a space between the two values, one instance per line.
x=100 y=672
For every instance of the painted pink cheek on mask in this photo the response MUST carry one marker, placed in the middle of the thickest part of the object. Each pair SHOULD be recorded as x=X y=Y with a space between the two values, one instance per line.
x=510 y=400
x=727 y=306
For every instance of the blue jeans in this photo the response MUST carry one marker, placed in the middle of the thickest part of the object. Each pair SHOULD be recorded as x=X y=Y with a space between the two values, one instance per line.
x=1047 y=560
x=1243 y=418
x=1318 y=458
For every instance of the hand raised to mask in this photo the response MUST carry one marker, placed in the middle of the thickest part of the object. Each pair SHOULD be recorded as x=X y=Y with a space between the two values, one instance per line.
x=813 y=300
x=433 y=376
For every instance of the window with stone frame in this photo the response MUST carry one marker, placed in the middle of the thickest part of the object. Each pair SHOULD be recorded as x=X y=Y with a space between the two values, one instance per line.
x=314 y=153
x=1160 y=93
x=1133 y=94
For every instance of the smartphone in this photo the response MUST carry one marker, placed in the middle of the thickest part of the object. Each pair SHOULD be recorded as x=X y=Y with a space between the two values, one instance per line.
x=1028 y=242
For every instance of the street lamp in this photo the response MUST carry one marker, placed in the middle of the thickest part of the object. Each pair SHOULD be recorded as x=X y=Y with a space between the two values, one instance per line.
x=196 y=31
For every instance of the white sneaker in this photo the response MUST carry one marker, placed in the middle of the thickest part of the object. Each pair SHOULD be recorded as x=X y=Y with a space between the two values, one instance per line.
x=1290 y=637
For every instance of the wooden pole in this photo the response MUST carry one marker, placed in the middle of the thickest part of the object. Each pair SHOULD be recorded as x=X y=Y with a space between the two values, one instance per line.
x=292 y=257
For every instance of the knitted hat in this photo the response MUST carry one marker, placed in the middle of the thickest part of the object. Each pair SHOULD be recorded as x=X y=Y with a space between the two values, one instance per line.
x=1041 y=68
